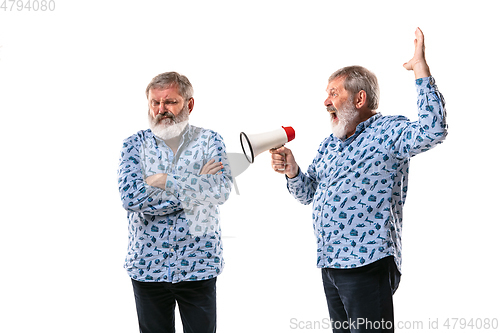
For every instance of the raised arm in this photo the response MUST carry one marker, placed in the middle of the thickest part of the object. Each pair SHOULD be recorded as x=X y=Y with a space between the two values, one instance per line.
x=431 y=128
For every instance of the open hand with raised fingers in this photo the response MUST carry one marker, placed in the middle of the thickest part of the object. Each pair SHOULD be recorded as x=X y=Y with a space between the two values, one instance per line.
x=418 y=64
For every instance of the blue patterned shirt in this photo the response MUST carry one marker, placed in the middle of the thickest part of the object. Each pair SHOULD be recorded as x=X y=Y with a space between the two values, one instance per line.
x=174 y=234
x=358 y=186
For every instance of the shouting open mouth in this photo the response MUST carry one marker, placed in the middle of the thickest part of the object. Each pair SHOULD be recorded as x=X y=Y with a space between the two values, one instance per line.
x=333 y=112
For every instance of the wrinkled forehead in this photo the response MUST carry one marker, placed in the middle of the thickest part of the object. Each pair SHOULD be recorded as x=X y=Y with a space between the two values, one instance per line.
x=336 y=85
x=164 y=92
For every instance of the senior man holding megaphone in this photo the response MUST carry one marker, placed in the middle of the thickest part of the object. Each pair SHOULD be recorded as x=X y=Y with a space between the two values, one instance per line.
x=357 y=184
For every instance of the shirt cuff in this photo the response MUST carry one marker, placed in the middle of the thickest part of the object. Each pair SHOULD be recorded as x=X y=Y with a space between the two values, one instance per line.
x=297 y=179
x=425 y=84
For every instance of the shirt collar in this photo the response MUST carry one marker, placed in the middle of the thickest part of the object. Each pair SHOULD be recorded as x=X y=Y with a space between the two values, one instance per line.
x=363 y=125
x=359 y=129
x=186 y=134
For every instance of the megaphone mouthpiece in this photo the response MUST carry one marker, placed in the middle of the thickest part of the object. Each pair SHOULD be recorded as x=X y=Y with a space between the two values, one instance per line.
x=255 y=144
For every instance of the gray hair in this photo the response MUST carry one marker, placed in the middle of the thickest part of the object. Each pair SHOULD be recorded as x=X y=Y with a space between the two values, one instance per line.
x=169 y=79
x=357 y=78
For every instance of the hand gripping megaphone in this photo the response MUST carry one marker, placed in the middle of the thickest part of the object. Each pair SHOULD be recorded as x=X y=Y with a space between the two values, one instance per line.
x=254 y=144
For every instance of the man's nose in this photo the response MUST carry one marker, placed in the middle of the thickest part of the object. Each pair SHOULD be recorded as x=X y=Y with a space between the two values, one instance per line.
x=162 y=108
x=327 y=102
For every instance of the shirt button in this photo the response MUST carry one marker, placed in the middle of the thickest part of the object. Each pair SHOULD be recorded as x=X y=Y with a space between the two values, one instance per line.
x=171 y=250
x=171 y=228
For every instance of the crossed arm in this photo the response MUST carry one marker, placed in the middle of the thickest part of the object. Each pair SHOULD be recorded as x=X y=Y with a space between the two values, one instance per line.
x=158 y=180
x=155 y=195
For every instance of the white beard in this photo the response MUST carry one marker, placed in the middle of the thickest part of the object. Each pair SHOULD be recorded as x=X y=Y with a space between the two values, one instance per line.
x=346 y=117
x=169 y=131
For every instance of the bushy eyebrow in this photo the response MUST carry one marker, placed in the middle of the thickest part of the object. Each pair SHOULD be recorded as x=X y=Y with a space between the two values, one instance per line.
x=167 y=100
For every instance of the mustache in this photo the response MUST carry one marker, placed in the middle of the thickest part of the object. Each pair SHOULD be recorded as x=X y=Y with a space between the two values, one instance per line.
x=183 y=115
x=331 y=109
x=161 y=116
x=167 y=114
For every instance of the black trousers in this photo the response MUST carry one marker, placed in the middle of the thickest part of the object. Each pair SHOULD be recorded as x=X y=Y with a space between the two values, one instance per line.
x=360 y=299
x=155 y=303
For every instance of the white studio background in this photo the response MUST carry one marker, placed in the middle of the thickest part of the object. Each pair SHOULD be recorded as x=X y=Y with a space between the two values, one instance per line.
x=72 y=84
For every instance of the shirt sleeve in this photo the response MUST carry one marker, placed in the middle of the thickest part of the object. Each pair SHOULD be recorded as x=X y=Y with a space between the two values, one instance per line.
x=203 y=190
x=136 y=194
x=304 y=185
x=430 y=129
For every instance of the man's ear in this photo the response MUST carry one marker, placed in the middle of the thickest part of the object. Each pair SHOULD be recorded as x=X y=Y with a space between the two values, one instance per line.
x=191 y=104
x=360 y=99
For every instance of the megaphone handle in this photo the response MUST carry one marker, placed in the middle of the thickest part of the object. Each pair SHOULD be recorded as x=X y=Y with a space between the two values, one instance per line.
x=284 y=159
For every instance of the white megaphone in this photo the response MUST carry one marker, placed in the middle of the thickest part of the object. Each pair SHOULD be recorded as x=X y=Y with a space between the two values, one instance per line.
x=255 y=144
